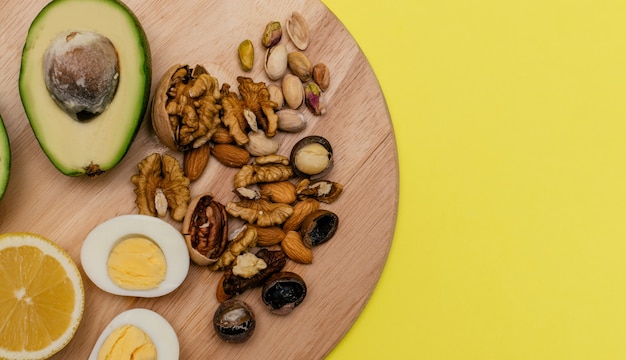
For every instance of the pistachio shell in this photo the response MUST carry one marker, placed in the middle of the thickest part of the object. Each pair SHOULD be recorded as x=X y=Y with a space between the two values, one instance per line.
x=276 y=62
x=290 y=120
x=276 y=95
x=298 y=30
x=293 y=92
x=300 y=65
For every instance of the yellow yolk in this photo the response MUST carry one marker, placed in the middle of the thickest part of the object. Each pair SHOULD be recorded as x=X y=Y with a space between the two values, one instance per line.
x=137 y=264
x=127 y=342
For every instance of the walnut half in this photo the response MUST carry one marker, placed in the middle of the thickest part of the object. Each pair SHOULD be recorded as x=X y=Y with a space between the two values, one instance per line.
x=161 y=185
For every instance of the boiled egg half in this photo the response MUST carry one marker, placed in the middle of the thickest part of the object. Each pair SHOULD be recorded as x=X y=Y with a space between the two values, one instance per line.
x=137 y=331
x=135 y=255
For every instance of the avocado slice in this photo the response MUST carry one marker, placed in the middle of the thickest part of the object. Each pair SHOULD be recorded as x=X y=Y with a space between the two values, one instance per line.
x=78 y=139
x=5 y=158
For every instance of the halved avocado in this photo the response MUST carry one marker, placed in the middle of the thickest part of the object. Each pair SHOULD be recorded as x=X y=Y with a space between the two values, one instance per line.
x=86 y=141
x=5 y=158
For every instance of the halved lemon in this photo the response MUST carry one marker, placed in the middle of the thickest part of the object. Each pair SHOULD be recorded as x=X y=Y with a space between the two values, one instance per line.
x=41 y=297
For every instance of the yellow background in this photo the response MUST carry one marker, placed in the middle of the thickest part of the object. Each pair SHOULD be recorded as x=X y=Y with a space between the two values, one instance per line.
x=510 y=120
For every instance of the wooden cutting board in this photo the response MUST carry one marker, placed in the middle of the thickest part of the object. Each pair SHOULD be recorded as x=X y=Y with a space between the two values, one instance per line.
x=345 y=270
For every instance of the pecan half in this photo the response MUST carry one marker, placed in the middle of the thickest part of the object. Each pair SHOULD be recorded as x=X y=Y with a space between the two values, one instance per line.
x=205 y=229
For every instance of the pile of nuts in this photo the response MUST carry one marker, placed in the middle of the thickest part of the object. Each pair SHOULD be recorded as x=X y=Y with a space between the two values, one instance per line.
x=278 y=198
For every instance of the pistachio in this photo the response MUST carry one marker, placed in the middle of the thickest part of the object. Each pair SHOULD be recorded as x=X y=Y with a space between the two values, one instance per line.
x=298 y=30
x=292 y=91
x=290 y=120
x=260 y=144
x=276 y=62
x=321 y=76
x=300 y=65
x=312 y=99
x=276 y=95
x=246 y=55
x=272 y=34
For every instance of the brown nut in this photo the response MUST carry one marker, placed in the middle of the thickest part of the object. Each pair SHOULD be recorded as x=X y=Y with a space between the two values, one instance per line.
x=222 y=136
x=269 y=235
x=321 y=76
x=195 y=161
x=301 y=210
x=205 y=229
x=230 y=155
x=319 y=227
x=185 y=107
x=295 y=249
x=279 y=192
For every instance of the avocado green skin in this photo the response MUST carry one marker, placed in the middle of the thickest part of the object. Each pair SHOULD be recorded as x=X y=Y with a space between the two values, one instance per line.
x=5 y=155
x=146 y=66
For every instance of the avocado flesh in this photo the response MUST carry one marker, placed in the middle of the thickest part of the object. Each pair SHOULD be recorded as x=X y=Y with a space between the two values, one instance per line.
x=5 y=158
x=91 y=147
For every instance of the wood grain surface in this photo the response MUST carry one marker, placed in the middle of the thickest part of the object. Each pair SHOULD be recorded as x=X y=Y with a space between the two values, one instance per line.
x=41 y=200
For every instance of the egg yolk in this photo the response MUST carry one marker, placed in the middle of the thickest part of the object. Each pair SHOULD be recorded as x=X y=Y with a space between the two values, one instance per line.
x=127 y=342
x=137 y=264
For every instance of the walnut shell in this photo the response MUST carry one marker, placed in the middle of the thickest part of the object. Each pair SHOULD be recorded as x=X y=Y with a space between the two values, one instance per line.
x=160 y=118
x=205 y=229
x=188 y=133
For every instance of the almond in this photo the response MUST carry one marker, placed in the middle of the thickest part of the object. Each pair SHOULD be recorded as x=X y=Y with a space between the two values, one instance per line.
x=222 y=136
x=195 y=160
x=280 y=191
x=295 y=249
x=231 y=155
x=301 y=210
x=268 y=236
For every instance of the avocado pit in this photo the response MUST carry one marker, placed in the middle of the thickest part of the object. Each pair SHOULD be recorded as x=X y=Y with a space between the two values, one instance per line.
x=81 y=73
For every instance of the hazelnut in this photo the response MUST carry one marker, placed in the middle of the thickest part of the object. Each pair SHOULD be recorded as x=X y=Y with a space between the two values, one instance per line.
x=312 y=156
x=234 y=321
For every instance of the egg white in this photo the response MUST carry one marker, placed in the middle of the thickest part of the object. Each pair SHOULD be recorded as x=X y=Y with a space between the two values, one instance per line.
x=100 y=242
x=154 y=325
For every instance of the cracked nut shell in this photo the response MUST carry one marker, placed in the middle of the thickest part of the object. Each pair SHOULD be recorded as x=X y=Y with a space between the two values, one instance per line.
x=205 y=229
x=311 y=157
x=283 y=292
x=319 y=227
x=234 y=321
